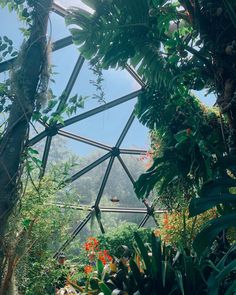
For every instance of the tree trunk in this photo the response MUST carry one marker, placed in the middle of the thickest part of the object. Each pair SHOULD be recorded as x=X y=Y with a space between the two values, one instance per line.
x=25 y=81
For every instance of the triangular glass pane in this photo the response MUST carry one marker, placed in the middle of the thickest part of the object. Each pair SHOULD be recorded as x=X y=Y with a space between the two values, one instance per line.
x=104 y=127
x=57 y=28
x=119 y=190
x=90 y=229
x=114 y=84
x=135 y=164
x=35 y=129
x=72 y=153
x=9 y=30
x=150 y=223
x=62 y=68
x=137 y=137
x=86 y=187
x=39 y=147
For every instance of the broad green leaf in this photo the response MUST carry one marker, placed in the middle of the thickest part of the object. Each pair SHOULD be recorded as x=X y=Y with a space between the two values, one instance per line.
x=181 y=136
x=99 y=268
x=205 y=238
x=216 y=187
x=179 y=279
x=105 y=289
x=200 y=205
x=230 y=8
x=143 y=252
x=157 y=262
x=215 y=281
x=232 y=289
x=137 y=275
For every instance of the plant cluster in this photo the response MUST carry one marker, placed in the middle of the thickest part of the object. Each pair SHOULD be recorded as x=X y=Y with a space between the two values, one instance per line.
x=155 y=268
x=178 y=230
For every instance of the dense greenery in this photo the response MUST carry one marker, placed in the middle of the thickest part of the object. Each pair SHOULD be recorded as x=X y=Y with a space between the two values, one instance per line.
x=178 y=48
x=122 y=235
x=152 y=268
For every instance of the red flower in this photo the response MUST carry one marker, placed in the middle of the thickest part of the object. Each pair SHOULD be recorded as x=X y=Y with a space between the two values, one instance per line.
x=88 y=269
x=91 y=244
x=104 y=256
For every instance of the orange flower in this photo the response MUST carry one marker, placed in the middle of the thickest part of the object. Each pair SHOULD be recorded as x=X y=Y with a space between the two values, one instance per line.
x=157 y=232
x=166 y=220
x=88 y=269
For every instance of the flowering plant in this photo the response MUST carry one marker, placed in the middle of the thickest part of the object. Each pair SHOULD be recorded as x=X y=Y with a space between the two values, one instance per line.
x=177 y=229
x=91 y=244
x=103 y=257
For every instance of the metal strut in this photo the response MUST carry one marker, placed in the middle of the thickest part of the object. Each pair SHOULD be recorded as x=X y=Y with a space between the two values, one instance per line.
x=74 y=233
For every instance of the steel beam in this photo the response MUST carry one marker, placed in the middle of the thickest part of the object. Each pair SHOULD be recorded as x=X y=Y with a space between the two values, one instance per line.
x=104 y=181
x=133 y=73
x=45 y=155
x=123 y=210
x=59 y=44
x=144 y=220
x=62 y=43
x=100 y=109
x=126 y=169
x=37 y=138
x=6 y=65
x=97 y=212
x=58 y=9
x=125 y=130
x=108 y=209
x=89 y=114
x=65 y=95
x=85 y=140
x=89 y=167
x=74 y=234
x=133 y=151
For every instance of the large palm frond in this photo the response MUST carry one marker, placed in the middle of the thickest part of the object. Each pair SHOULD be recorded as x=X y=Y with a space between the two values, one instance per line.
x=122 y=31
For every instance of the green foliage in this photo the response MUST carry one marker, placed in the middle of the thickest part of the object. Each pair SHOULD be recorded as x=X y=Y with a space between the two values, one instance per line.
x=176 y=272
x=35 y=233
x=24 y=9
x=6 y=48
x=158 y=269
x=217 y=193
x=154 y=268
x=189 y=141
x=122 y=235
x=139 y=38
x=223 y=274
x=42 y=223
x=98 y=83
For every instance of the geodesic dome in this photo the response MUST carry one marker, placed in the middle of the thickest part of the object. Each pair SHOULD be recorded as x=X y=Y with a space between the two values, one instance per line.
x=71 y=127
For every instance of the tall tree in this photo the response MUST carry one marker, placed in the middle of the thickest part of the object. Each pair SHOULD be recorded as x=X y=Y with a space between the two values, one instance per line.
x=28 y=81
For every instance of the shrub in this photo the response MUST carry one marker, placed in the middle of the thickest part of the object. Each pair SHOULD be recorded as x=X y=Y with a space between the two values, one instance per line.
x=122 y=235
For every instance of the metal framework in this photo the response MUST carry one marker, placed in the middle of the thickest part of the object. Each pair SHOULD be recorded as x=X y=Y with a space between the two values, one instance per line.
x=112 y=151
